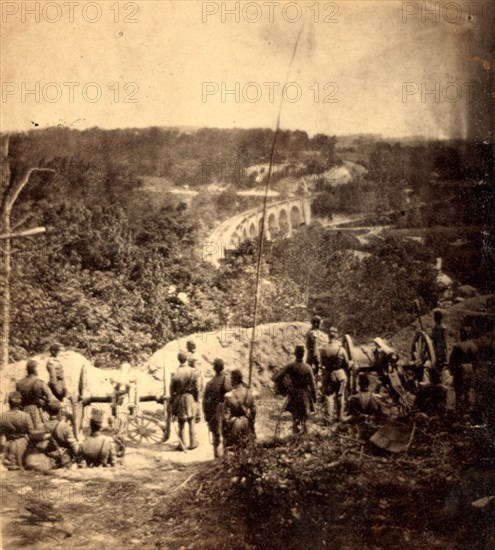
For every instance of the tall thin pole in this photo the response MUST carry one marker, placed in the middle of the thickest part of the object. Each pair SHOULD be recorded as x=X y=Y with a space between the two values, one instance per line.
x=7 y=247
x=263 y=218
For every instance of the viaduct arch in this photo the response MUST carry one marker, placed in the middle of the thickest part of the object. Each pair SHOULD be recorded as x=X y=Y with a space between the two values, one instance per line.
x=282 y=218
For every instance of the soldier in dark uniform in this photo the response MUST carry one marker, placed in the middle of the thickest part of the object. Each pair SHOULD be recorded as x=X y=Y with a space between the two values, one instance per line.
x=184 y=399
x=63 y=445
x=334 y=364
x=193 y=361
x=313 y=343
x=462 y=363
x=15 y=426
x=365 y=402
x=302 y=390
x=56 y=372
x=239 y=414
x=35 y=394
x=97 y=449
x=213 y=400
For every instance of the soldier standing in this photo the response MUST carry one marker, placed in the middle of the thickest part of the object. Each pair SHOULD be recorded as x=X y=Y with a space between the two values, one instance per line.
x=193 y=361
x=56 y=372
x=334 y=364
x=35 y=394
x=213 y=400
x=462 y=363
x=184 y=399
x=439 y=339
x=15 y=426
x=302 y=392
x=239 y=414
x=313 y=344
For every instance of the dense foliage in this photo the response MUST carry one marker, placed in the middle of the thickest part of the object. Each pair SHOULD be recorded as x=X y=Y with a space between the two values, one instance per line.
x=192 y=157
x=365 y=289
x=119 y=272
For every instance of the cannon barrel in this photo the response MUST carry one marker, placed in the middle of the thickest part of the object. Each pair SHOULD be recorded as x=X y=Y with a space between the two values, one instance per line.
x=109 y=398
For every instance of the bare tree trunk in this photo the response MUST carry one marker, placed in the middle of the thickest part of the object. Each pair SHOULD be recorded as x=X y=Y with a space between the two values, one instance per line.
x=10 y=193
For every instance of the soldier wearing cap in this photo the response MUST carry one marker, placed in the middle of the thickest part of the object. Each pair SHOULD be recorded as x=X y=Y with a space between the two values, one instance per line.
x=56 y=372
x=213 y=400
x=334 y=364
x=193 y=361
x=314 y=340
x=239 y=414
x=62 y=440
x=302 y=390
x=15 y=426
x=97 y=449
x=35 y=394
x=184 y=399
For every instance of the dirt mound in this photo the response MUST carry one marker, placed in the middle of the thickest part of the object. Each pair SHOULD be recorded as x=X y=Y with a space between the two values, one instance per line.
x=72 y=362
x=274 y=347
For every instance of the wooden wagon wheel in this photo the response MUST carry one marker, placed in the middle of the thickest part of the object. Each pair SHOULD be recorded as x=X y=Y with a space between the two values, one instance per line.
x=422 y=351
x=145 y=429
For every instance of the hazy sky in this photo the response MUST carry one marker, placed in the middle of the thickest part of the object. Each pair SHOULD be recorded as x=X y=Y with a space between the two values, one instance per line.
x=152 y=69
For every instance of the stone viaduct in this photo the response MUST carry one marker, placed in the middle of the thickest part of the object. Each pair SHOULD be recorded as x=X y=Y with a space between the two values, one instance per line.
x=282 y=217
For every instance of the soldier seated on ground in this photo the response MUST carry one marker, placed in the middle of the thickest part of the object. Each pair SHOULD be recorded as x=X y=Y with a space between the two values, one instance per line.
x=365 y=402
x=97 y=449
x=15 y=426
x=54 y=445
x=63 y=446
x=389 y=407
x=35 y=395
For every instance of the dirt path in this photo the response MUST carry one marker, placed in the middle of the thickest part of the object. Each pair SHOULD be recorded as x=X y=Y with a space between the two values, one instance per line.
x=131 y=505
x=120 y=507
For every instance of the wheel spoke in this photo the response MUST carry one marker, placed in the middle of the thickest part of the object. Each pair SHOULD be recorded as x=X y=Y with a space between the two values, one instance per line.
x=145 y=429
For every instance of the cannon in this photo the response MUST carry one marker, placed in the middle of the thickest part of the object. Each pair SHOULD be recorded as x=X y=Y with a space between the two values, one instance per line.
x=401 y=377
x=128 y=422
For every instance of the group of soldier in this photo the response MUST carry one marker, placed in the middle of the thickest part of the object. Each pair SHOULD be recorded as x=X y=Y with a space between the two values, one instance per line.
x=325 y=372
x=37 y=428
x=328 y=371
x=227 y=403
x=38 y=422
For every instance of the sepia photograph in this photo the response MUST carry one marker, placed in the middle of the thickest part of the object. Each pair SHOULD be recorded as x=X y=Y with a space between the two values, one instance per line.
x=247 y=274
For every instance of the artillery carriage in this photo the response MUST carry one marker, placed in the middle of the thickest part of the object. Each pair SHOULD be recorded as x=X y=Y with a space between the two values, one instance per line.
x=128 y=421
x=402 y=378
